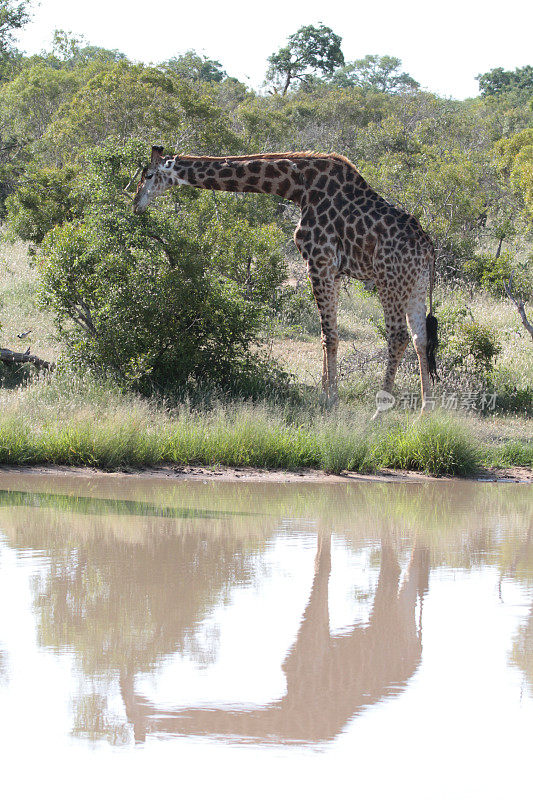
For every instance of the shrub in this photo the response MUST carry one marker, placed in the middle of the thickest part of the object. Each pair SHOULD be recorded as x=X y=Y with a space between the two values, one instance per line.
x=47 y=197
x=472 y=347
x=491 y=274
x=138 y=296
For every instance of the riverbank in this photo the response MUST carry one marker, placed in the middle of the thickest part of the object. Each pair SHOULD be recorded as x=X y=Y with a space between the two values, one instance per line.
x=250 y=475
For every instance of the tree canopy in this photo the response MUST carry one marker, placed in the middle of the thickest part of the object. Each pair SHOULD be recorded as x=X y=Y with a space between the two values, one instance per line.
x=499 y=80
x=375 y=74
x=310 y=51
x=13 y=16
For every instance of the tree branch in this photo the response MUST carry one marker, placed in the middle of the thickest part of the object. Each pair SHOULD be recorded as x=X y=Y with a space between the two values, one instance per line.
x=520 y=306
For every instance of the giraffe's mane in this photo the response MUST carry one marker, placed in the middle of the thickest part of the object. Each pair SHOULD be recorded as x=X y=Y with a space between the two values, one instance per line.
x=271 y=156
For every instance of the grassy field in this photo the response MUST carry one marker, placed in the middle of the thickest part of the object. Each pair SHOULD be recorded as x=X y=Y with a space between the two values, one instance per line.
x=64 y=419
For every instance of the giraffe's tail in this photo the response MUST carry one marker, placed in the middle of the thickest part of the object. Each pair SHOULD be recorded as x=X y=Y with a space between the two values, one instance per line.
x=432 y=326
x=431 y=346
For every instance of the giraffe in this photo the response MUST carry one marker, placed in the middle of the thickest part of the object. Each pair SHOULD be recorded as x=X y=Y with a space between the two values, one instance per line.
x=346 y=230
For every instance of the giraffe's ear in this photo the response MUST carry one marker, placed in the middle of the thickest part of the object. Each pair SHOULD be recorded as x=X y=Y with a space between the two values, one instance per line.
x=155 y=158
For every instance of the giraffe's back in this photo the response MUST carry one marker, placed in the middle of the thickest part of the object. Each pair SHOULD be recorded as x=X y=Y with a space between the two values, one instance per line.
x=350 y=226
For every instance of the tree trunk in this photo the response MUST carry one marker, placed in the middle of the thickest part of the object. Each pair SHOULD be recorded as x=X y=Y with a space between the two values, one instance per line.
x=10 y=357
x=520 y=306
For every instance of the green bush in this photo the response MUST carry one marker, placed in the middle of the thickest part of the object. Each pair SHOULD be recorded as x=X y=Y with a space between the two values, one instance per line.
x=140 y=297
x=473 y=347
x=491 y=274
x=47 y=197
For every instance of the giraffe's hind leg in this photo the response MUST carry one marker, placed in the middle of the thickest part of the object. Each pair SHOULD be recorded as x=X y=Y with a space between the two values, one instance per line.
x=416 y=318
x=397 y=340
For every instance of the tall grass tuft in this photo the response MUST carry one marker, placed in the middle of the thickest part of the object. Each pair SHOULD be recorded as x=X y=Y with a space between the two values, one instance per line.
x=434 y=445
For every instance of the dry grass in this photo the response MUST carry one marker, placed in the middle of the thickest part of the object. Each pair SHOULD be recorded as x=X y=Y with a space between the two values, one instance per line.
x=19 y=310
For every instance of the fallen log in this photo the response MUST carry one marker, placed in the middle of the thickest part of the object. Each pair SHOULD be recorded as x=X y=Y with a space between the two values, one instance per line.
x=11 y=357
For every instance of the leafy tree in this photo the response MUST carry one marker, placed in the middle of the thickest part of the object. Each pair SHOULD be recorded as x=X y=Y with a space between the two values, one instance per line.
x=47 y=197
x=309 y=51
x=73 y=51
x=29 y=103
x=515 y=160
x=124 y=101
x=498 y=81
x=195 y=67
x=441 y=189
x=12 y=18
x=242 y=248
x=376 y=74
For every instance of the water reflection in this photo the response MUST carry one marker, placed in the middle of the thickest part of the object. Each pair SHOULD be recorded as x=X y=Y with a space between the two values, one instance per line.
x=329 y=678
x=130 y=573
x=4 y=671
x=522 y=651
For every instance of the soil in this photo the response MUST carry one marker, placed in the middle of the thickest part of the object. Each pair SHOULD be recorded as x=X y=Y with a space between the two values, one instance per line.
x=507 y=475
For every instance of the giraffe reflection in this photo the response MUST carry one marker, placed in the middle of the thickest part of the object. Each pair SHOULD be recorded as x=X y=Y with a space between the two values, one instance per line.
x=329 y=678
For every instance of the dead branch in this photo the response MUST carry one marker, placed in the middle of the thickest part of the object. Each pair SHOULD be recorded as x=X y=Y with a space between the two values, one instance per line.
x=520 y=306
x=10 y=357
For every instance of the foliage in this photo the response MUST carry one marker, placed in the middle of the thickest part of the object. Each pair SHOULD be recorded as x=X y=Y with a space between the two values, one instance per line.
x=48 y=197
x=297 y=311
x=515 y=160
x=375 y=74
x=492 y=273
x=137 y=296
x=12 y=18
x=126 y=101
x=73 y=51
x=30 y=101
x=498 y=81
x=474 y=346
x=196 y=68
x=309 y=51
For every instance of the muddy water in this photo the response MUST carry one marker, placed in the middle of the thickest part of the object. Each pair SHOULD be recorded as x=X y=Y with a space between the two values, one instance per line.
x=206 y=638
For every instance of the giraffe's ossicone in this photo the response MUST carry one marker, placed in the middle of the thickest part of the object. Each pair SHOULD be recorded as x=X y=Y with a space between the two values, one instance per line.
x=346 y=229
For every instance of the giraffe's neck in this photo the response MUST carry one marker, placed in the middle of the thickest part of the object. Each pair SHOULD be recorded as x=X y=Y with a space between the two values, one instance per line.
x=273 y=175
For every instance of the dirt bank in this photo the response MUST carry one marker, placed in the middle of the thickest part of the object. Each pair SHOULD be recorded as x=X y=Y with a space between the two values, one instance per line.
x=508 y=475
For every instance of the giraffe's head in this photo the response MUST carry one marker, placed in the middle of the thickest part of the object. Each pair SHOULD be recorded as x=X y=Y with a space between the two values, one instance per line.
x=151 y=183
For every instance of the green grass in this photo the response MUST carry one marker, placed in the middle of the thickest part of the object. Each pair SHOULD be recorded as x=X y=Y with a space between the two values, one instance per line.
x=71 y=420
x=510 y=454
x=434 y=445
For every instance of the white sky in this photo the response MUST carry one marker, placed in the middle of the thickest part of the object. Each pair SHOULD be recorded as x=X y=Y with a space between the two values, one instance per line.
x=444 y=45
